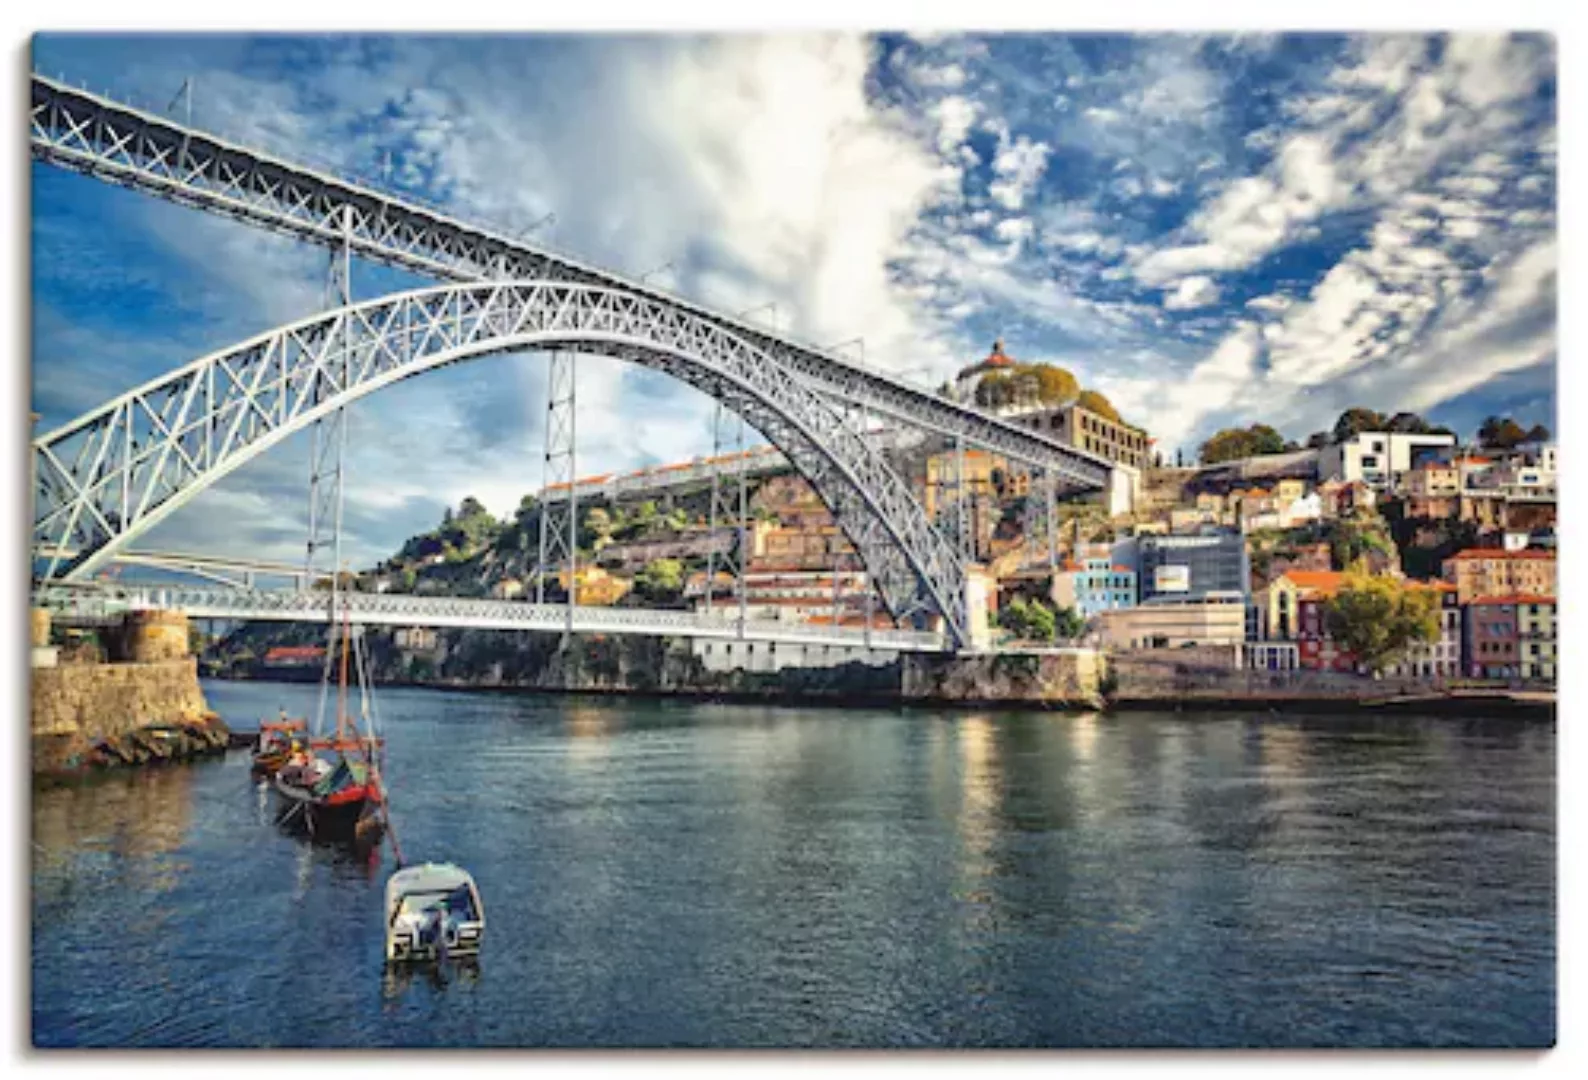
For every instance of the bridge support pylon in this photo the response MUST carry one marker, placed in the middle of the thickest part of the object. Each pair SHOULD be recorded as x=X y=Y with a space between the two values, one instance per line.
x=559 y=508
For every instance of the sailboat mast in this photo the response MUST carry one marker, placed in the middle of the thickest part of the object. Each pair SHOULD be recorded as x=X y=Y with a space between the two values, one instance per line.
x=341 y=690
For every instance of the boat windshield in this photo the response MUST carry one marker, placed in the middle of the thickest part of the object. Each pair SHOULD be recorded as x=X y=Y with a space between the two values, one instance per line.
x=457 y=903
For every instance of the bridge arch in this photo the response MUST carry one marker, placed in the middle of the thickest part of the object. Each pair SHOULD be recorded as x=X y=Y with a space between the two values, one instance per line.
x=108 y=476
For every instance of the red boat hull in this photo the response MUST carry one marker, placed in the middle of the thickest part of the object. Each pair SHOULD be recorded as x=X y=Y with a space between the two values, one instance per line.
x=349 y=814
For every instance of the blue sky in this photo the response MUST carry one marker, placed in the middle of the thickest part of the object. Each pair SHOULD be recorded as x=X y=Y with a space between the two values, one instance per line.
x=1213 y=230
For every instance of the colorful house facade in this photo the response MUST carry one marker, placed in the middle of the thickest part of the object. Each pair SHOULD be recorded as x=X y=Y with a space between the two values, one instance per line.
x=1487 y=572
x=1536 y=637
x=1492 y=644
x=1095 y=585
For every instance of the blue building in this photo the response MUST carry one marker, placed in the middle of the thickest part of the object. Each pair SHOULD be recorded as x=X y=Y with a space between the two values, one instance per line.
x=1093 y=585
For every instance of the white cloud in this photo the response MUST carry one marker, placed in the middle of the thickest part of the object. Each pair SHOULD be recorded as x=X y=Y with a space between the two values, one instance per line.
x=1019 y=166
x=1272 y=302
x=1192 y=292
x=954 y=115
x=1254 y=215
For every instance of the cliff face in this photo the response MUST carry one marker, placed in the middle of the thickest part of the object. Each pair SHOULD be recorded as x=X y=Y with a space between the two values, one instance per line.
x=76 y=705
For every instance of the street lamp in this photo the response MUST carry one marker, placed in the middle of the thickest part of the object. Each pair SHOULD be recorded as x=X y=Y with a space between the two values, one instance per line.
x=772 y=305
x=861 y=342
x=660 y=269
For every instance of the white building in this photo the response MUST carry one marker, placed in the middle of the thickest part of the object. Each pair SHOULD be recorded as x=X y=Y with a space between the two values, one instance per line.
x=767 y=656
x=1307 y=508
x=1378 y=458
x=1519 y=479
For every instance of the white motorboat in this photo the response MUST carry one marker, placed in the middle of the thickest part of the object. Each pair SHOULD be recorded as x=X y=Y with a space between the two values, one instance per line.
x=433 y=911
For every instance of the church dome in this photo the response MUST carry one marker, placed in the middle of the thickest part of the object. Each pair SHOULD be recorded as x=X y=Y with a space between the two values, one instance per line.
x=992 y=362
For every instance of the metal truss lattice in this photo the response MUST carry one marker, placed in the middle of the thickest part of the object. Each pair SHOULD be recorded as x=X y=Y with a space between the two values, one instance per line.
x=729 y=506
x=558 y=558
x=113 y=142
x=109 y=475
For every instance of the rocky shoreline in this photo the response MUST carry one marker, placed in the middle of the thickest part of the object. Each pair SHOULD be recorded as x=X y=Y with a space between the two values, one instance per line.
x=151 y=744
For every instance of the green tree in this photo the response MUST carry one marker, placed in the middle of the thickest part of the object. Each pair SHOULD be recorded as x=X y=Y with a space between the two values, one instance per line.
x=1055 y=385
x=662 y=579
x=1068 y=623
x=1232 y=444
x=1360 y=536
x=1028 y=620
x=1537 y=433
x=1095 y=401
x=994 y=391
x=1356 y=420
x=598 y=522
x=1317 y=440
x=1265 y=440
x=1500 y=433
x=470 y=507
x=528 y=507
x=1378 y=618
x=1228 y=444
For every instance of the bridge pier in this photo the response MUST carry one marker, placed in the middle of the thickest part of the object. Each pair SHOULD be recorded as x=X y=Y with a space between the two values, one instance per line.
x=1124 y=487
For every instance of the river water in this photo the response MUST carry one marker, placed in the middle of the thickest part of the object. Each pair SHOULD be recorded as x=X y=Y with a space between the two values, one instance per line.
x=684 y=874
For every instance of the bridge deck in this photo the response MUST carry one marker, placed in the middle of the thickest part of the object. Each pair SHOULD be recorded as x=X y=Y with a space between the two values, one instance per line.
x=385 y=609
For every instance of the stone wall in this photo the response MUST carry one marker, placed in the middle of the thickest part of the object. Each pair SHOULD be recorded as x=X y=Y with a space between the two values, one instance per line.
x=1208 y=675
x=77 y=704
x=1068 y=678
x=151 y=636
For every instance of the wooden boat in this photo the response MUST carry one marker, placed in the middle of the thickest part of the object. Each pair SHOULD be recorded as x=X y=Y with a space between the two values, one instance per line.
x=336 y=796
x=433 y=912
x=341 y=802
x=275 y=744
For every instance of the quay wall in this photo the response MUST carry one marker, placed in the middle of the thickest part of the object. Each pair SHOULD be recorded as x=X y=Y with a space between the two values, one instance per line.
x=1060 y=678
x=76 y=706
x=1205 y=677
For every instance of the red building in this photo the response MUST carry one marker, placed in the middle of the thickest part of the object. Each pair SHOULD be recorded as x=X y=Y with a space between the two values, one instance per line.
x=1315 y=647
x=1492 y=645
x=294 y=654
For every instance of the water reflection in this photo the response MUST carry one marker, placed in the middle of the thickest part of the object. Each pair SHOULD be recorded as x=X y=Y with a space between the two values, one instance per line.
x=1083 y=734
x=979 y=786
x=132 y=821
x=588 y=728
x=736 y=876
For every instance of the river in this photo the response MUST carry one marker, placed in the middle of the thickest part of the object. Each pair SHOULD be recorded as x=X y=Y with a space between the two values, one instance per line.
x=661 y=873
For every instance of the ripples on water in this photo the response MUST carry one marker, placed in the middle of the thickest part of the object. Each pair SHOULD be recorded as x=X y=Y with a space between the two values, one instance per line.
x=671 y=874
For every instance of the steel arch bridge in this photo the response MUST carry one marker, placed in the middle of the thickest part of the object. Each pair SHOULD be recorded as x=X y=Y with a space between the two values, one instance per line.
x=105 y=478
x=74 y=129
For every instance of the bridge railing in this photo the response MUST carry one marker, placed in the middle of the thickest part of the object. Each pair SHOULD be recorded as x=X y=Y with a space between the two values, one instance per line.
x=399 y=609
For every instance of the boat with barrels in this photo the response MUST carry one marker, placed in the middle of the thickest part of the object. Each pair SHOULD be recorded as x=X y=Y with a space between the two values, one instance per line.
x=330 y=787
x=278 y=740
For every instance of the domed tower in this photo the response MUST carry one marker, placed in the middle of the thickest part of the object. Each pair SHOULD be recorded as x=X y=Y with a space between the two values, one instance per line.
x=966 y=381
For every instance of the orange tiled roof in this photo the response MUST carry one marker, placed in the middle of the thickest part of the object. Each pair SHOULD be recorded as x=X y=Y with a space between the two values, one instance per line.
x=1516 y=598
x=995 y=359
x=1326 y=582
x=293 y=652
